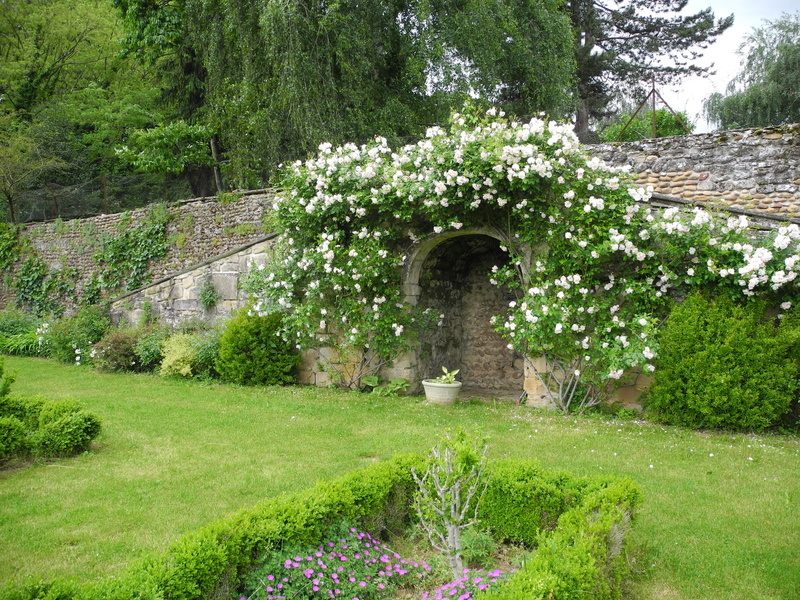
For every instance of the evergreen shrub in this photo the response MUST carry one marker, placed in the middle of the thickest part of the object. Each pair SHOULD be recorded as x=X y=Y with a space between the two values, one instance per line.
x=191 y=354
x=584 y=556
x=27 y=409
x=69 y=434
x=50 y=428
x=149 y=348
x=539 y=498
x=12 y=437
x=206 y=353
x=53 y=410
x=252 y=351
x=724 y=366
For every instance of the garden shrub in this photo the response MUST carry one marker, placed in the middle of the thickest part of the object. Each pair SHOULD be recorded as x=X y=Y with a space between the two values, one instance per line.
x=54 y=410
x=584 y=556
x=20 y=344
x=6 y=379
x=19 y=333
x=149 y=348
x=12 y=437
x=72 y=338
x=24 y=408
x=191 y=354
x=116 y=351
x=69 y=434
x=14 y=321
x=206 y=353
x=51 y=428
x=252 y=351
x=178 y=355
x=723 y=366
x=539 y=498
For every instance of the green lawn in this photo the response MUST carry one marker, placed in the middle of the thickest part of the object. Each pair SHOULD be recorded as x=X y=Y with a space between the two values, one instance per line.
x=721 y=514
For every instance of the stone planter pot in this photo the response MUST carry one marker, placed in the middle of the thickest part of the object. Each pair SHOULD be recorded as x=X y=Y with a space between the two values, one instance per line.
x=441 y=393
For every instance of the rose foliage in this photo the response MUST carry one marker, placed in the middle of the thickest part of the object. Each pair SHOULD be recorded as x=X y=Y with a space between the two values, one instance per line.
x=594 y=266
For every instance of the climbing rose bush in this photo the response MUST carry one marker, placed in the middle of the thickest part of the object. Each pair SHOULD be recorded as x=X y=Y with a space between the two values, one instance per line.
x=594 y=267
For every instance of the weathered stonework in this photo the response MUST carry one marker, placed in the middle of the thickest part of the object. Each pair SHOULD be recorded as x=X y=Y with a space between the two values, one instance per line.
x=197 y=230
x=749 y=169
x=176 y=299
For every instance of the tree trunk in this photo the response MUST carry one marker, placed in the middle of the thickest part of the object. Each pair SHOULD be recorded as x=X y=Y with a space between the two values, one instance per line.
x=582 y=120
x=454 y=549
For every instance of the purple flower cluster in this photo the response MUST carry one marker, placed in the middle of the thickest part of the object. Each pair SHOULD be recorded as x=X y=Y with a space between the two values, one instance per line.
x=463 y=587
x=357 y=567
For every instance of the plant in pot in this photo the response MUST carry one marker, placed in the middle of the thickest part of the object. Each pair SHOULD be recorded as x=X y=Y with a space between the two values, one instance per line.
x=443 y=389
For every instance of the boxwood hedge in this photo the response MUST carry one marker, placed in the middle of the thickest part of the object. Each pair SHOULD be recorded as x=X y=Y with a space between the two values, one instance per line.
x=578 y=526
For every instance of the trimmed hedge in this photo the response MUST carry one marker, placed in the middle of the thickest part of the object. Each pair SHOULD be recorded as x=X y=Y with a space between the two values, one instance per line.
x=49 y=428
x=12 y=437
x=583 y=555
x=724 y=366
x=252 y=352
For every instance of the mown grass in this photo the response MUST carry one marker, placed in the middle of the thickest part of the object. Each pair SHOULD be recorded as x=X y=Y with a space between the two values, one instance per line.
x=719 y=521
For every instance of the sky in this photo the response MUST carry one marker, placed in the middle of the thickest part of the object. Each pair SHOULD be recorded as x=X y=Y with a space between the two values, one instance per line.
x=689 y=96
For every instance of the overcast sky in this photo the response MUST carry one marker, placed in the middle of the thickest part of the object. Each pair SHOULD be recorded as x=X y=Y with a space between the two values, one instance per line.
x=747 y=14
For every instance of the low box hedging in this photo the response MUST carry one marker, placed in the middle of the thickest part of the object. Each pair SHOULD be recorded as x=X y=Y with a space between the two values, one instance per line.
x=583 y=554
x=44 y=428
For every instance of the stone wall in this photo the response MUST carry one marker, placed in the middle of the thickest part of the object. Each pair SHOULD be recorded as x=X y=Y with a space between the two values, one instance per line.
x=752 y=170
x=197 y=230
x=176 y=299
x=749 y=169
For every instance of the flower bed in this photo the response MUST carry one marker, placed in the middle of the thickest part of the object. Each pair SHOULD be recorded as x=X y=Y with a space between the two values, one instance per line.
x=578 y=526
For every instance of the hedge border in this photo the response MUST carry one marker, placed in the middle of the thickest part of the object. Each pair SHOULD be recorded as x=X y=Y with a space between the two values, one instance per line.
x=583 y=553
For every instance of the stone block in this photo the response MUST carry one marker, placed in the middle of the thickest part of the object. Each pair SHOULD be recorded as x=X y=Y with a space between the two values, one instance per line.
x=706 y=185
x=186 y=305
x=306 y=376
x=176 y=290
x=226 y=284
x=322 y=379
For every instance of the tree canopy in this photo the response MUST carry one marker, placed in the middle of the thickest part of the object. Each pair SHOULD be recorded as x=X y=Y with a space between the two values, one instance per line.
x=622 y=45
x=271 y=80
x=68 y=97
x=766 y=91
x=278 y=78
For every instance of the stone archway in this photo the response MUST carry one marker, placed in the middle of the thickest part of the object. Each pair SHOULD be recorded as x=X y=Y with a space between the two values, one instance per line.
x=450 y=274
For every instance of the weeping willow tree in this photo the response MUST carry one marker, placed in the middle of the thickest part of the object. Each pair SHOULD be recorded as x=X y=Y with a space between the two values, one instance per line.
x=766 y=91
x=281 y=76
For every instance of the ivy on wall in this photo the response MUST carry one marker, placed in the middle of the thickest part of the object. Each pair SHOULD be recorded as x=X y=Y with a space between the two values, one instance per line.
x=40 y=290
x=9 y=247
x=123 y=258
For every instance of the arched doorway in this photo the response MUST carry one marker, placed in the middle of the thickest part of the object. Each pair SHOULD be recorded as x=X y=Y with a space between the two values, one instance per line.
x=451 y=274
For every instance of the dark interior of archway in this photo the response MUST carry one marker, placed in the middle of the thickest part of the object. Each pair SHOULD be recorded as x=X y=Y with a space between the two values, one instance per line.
x=455 y=282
